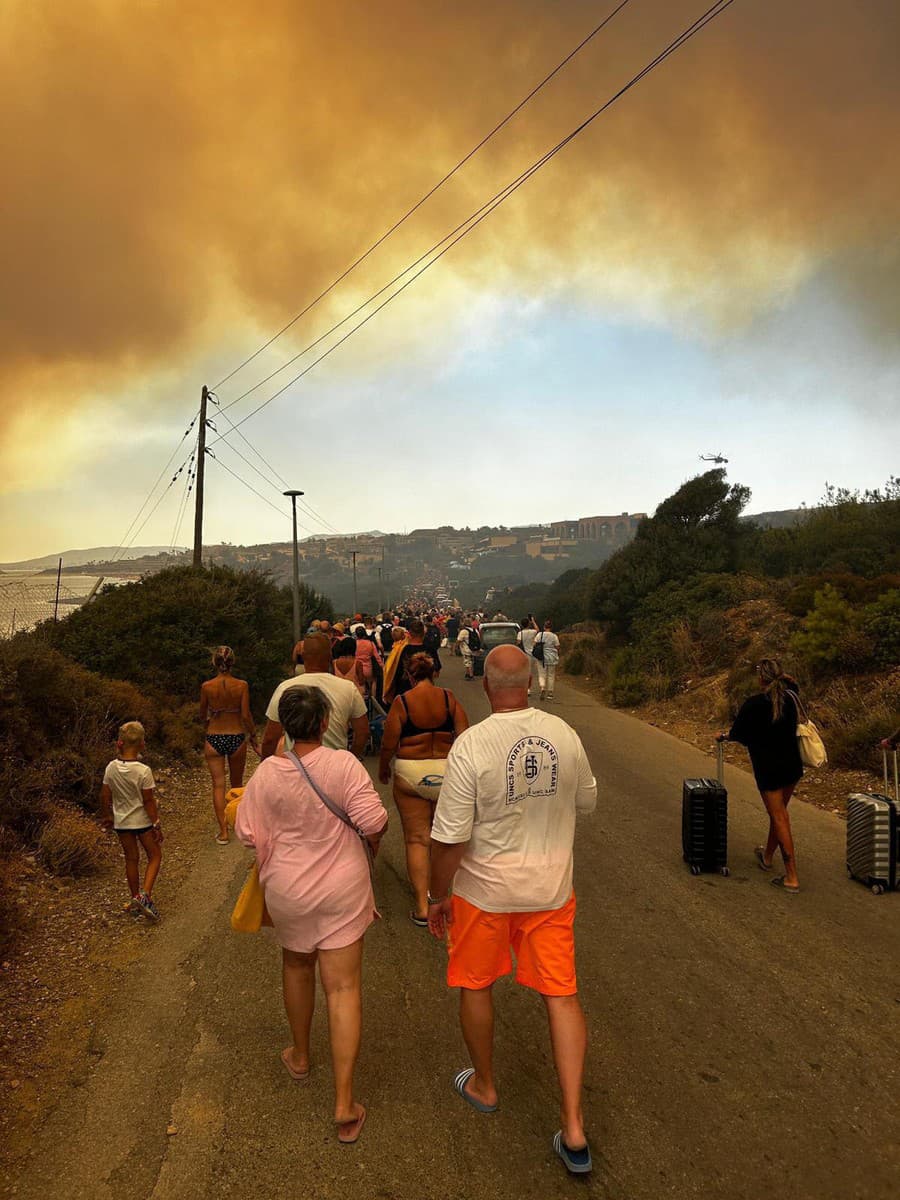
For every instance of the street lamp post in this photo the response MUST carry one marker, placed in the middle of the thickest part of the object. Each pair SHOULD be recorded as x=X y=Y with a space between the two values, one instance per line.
x=293 y=496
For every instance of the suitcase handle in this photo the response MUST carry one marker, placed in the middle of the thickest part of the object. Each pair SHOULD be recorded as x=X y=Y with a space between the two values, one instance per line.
x=884 y=755
x=720 y=763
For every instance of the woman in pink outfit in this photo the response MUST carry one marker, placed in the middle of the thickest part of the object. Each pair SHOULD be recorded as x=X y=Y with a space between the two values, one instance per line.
x=366 y=655
x=315 y=873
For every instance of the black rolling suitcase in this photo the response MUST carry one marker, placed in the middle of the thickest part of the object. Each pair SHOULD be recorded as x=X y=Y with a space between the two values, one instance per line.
x=873 y=836
x=704 y=821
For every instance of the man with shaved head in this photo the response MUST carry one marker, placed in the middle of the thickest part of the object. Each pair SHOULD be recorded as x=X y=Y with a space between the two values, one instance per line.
x=502 y=837
x=347 y=707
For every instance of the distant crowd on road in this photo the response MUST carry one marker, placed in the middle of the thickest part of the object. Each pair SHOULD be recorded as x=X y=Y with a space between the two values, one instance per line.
x=487 y=812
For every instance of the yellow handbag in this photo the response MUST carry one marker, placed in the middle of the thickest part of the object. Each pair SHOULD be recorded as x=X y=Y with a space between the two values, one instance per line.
x=233 y=799
x=250 y=913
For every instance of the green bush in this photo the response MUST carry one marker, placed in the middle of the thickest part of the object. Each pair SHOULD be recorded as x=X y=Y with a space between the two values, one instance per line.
x=881 y=623
x=159 y=633
x=695 y=531
x=828 y=623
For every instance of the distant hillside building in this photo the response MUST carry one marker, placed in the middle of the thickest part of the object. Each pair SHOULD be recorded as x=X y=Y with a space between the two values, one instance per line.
x=610 y=531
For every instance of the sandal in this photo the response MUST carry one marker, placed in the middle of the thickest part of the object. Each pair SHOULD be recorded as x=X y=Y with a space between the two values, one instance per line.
x=577 y=1162
x=760 y=853
x=459 y=1085
x=421 y=922
x=352 y=1128
x=779 y=882
x=299 y=1076
x=222 y=841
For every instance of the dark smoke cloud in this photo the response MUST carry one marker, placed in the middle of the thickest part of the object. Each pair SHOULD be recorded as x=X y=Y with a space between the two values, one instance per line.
x=176 y=169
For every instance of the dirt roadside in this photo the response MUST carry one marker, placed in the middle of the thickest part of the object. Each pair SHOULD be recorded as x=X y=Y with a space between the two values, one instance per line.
x=76 y=952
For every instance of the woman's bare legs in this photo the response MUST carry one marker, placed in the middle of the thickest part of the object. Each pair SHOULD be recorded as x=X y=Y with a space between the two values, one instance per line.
x=780 y=834
x=236 y=764
x=416 y=816
x=216 y=764
x=299 y=985
x=341 y=974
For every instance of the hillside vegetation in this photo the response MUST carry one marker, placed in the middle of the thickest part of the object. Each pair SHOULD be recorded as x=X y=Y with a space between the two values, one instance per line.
x=701 y=594
x=138 y=652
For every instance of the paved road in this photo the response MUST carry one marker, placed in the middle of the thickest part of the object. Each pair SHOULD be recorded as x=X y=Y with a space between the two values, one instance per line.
x=744 y=1043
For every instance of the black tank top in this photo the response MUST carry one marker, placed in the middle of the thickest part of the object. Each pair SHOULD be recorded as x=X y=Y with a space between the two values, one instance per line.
x=410 y=728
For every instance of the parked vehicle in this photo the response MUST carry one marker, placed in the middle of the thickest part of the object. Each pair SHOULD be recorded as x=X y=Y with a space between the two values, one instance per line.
x=493 y=633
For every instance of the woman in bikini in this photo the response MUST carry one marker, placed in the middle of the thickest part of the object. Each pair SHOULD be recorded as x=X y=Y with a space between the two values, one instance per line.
x=420 y=729
x=225 y=710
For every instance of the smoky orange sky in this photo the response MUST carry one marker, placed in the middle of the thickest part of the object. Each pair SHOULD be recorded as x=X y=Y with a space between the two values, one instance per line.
x=180 y=177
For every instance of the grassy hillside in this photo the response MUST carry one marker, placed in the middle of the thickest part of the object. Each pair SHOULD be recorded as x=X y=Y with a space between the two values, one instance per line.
x=702 y=594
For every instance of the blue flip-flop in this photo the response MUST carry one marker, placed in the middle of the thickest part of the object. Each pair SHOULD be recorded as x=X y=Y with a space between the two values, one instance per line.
x=576 y=1162
x=459 y=1085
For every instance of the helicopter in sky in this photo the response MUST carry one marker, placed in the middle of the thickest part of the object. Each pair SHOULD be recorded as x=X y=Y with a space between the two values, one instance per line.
x=714 y=458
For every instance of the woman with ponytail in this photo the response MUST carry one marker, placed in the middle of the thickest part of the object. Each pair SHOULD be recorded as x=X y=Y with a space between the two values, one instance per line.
x=767 y=726
x=225 y=710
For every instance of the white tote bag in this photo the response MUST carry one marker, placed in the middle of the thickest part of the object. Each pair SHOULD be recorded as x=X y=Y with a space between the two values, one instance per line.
x=809 y=740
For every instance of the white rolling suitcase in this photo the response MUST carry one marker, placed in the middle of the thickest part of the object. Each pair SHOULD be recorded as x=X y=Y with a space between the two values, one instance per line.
x=873 y=836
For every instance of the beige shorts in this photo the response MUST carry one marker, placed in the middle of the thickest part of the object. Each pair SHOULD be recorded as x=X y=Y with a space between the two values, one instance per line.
x=423 y=776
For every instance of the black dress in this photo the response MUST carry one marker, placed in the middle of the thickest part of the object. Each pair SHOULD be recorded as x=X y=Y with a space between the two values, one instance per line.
x=772 y=745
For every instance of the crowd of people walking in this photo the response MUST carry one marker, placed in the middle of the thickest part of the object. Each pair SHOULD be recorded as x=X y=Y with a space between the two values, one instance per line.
x=487 y=812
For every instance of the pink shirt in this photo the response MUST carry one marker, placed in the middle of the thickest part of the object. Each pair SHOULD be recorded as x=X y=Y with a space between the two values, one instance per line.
x=365 y=652
x=312 y=866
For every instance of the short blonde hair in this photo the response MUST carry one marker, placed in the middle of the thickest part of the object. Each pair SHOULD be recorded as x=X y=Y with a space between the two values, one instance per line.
x=131 y=733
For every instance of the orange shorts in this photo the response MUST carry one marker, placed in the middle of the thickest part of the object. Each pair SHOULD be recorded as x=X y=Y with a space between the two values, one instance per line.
x=480 y=942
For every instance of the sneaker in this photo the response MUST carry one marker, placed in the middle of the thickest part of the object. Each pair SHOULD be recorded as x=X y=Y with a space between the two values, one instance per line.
x=132 y=908
x=147 y=907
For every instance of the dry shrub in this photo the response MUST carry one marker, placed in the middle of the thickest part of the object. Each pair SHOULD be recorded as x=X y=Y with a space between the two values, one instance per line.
x=685 y=650
x=180 y=734
x=584 y=653
x=71 y=844
x=854 y=715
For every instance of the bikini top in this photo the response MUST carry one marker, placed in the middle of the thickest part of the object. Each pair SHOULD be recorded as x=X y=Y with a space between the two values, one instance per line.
x=410 y=728
x=218 y=712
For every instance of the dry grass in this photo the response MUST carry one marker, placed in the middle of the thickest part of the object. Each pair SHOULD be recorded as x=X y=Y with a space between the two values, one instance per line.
x=71 y=844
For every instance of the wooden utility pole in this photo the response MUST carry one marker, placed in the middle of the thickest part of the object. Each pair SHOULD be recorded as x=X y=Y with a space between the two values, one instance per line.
x=56 y=601
x=201 y=470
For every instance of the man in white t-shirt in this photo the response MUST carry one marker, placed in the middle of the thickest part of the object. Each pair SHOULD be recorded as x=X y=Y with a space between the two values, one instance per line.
x=503 y=834
x=348 y=708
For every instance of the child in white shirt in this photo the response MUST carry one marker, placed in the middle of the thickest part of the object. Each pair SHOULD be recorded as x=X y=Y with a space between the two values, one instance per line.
x=128 y=805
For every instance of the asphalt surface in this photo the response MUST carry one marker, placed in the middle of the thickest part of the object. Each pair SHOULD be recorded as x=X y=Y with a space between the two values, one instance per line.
x=743 y=1042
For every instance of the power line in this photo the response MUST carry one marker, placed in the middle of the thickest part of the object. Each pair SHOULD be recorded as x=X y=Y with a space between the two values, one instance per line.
x=246 y=460
x=122 y=545
x=234 y=429
x=162 y=497
x=281 y=512
x=509 y=116
x=481 y=213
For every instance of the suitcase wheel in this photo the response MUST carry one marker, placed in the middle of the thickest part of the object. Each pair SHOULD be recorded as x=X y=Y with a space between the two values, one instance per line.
x=849 y=873
x=695 y=870
x=877 y=889
x=724 y=871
